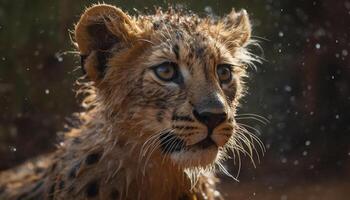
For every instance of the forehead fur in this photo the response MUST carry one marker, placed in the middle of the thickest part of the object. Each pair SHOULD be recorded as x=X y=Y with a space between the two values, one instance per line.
x=105 y=32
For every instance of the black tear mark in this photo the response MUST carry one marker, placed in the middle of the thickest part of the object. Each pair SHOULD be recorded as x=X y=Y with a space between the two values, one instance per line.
x=92 y=189
x=92 y=158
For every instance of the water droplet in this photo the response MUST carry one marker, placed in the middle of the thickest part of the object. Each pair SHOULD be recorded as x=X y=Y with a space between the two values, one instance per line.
x=284 y=160
x=47 y=91
x=13 y=149
x=344 y=52
x=307 y=143
x=304 y=153
x=284 y=197
x=281 y=34
x=318 y=46
x=288 y=88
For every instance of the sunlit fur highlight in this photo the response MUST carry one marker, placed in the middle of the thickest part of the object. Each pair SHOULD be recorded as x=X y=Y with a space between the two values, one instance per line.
x=120 y=124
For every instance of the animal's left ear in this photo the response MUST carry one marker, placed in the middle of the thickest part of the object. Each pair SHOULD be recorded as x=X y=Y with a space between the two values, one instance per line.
x=235 y=29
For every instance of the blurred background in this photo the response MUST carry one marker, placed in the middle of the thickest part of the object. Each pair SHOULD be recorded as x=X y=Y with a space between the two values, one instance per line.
x=303 y=88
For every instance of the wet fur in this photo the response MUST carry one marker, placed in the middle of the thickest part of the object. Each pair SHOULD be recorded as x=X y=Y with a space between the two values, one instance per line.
x=115 y=152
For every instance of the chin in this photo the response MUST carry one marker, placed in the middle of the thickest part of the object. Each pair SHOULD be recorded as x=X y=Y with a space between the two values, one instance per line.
x=195 y=157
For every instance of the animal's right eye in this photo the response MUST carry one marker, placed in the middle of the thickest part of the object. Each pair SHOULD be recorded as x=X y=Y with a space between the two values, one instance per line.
x=166 y=71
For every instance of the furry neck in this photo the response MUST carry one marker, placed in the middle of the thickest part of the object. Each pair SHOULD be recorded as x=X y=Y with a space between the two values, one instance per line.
x=137 y=176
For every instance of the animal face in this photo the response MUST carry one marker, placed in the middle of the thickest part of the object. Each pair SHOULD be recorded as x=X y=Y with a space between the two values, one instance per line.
x=172 y=77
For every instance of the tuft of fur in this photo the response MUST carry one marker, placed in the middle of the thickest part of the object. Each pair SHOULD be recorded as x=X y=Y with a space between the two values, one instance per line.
x=115 y=152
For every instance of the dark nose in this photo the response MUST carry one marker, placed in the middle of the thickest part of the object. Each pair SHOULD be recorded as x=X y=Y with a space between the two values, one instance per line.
x=210 y=119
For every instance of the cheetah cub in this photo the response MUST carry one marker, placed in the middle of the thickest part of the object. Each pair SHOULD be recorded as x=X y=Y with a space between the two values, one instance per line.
x=160 y=112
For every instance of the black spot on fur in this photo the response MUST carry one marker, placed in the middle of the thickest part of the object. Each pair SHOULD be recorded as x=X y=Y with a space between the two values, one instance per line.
x=53 y=167
x=71 y=189
x=182 y=118
x=76 y=140
x=156 y=25
x=176 y=51
x=115 y=194
x=22 y=196
x=185 y=127
x=160 y=116
x=73 y=172
x=92 y=158
x=37 y=186
x=33 y=190
x=199 y=52
x=92 y=189
x=2 y=189
x=38 y=170
x=61 y=185
x=184 y=197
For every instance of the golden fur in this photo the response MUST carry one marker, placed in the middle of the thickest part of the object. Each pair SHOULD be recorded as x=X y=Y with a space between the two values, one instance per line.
x=116 y=152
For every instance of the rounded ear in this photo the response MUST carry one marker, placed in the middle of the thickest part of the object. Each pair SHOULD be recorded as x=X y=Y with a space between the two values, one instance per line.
x=102 y=29
x=236 y=28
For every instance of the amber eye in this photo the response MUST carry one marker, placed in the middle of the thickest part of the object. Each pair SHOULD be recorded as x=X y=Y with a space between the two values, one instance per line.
x=166 y=71
x=224 y=73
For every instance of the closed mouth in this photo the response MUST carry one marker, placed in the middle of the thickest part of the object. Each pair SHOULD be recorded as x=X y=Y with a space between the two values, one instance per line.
x=204 y=144
x=172 y=144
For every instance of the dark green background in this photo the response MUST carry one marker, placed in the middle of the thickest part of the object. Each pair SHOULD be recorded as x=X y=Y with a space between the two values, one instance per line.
x=303 y=88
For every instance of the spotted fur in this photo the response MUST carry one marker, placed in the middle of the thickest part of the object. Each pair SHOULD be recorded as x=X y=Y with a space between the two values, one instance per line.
x=141 y=137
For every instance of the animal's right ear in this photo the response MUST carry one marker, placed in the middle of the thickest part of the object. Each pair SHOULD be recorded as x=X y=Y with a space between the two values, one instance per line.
x=101 y=30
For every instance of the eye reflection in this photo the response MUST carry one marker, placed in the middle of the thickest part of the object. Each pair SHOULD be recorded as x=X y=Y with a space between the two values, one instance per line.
x=224 y=73
x=166 y=71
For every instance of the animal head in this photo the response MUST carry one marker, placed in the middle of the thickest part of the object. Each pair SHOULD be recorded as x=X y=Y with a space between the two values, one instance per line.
x=173 y=78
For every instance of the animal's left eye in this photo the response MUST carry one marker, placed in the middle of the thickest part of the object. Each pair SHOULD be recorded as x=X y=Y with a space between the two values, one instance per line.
x=166 y=71
x=224 y=72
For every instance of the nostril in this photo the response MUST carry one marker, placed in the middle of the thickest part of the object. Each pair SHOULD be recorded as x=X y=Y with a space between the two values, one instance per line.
x=211 y=120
